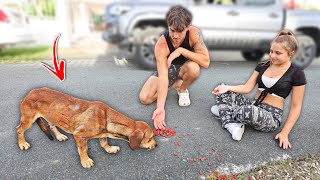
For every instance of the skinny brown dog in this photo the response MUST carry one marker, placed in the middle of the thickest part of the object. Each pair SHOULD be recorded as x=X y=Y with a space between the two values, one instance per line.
x=83 y=119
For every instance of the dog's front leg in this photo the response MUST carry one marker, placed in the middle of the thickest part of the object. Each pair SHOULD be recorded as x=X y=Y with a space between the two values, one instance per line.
x=82 y=144
x=107 y=147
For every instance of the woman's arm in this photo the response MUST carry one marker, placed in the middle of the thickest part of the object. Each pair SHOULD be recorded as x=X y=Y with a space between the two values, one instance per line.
x=242 y=89
x=294 y=113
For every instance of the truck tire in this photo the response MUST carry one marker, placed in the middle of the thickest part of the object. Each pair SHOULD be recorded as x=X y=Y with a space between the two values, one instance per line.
x=306 y=51
x=144 y=40
x=252 y=55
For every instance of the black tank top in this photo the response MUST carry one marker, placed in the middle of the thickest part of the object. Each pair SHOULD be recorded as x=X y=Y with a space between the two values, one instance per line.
x=185 y=44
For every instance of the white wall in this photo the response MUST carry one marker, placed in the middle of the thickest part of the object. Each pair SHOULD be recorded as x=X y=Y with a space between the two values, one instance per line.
x=44 y=30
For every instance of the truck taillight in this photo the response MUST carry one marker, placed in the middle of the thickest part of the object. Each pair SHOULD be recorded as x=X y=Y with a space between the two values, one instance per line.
x=3 y=17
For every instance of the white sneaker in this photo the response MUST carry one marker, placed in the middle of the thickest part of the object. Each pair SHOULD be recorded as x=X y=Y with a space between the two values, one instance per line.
x=236 y=130
x=215 y=110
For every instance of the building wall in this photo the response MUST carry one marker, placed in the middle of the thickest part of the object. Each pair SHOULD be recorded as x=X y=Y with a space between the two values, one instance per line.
x=74 y=19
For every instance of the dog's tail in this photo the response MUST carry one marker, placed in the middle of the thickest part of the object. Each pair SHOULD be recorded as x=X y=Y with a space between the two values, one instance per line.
x=44 y=128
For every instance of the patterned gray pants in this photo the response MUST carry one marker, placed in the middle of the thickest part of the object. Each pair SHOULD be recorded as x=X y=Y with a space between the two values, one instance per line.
x=234 y=107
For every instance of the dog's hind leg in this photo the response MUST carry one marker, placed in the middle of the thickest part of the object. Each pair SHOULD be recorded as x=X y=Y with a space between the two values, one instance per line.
x=82 y=144
x=107 y=147
x=56 y=132
x=25 y=123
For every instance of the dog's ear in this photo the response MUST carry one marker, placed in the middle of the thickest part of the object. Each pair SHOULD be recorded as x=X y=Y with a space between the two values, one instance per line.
x=135 y=139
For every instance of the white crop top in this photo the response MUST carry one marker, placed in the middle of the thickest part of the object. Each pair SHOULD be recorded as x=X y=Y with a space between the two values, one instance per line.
x=268 y=82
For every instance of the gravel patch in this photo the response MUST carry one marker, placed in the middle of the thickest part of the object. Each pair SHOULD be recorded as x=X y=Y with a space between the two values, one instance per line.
x=303 y=168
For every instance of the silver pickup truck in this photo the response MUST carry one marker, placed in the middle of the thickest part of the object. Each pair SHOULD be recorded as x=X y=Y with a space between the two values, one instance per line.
x=245 y=25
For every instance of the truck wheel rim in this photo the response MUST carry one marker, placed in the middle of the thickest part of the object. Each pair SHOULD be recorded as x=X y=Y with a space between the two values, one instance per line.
x=147 y=50
x=305 y=55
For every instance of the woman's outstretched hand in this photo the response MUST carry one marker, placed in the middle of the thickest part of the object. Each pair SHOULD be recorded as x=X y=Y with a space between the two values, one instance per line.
x=220 y=89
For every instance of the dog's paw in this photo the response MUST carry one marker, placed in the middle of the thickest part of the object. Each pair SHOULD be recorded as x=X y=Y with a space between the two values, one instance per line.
x=24 y=146
x=88 y=163
x=61 y=137
x=112 y=149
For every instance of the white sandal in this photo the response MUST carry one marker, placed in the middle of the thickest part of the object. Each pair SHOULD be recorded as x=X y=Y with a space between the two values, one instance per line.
x=184 y=99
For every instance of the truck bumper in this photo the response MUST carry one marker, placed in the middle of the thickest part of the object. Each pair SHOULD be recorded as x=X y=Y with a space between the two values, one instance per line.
x=112 y=34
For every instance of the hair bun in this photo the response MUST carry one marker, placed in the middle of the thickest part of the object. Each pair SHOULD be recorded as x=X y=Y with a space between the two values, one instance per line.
x=285 y=32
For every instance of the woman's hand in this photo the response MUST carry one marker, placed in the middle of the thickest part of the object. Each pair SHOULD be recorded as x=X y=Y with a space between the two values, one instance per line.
x=283 y=140
x=220 y=89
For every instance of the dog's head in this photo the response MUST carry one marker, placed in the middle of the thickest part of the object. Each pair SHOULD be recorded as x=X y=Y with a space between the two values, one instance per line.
x=142 y=137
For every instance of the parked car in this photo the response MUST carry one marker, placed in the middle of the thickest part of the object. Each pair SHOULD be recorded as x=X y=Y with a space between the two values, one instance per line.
x=14 y=28
x=245 y=25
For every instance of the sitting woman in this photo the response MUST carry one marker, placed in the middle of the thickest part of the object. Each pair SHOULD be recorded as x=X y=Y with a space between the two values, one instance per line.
x=275 y=78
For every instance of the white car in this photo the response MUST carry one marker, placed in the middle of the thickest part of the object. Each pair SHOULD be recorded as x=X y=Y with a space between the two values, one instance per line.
x=14 y=28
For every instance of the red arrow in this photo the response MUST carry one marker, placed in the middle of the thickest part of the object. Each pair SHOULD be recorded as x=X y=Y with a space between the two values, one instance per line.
x=59 y=67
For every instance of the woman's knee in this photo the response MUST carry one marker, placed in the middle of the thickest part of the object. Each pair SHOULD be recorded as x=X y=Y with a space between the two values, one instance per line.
x=258 y=118
x=224 y=98
x=245 y=113
x=225 y=95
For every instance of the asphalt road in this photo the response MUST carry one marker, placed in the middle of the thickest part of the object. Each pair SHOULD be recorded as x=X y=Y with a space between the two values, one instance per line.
x=118 y=86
